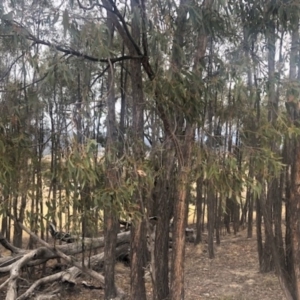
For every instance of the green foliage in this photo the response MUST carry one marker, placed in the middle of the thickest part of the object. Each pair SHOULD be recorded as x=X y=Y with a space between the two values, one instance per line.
x=54 y=92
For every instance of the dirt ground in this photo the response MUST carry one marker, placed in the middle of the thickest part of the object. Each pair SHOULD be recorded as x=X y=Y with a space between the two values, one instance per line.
x=232 y=275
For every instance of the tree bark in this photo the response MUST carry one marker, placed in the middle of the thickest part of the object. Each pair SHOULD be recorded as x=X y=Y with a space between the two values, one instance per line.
x=163 y=194
x=138 y=230
x=199 y=203
x=211 y=200
x=110 y=215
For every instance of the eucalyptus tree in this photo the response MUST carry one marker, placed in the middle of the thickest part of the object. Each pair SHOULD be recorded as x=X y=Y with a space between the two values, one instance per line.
x=292 y=190
x=160 y=57
x=175 y=105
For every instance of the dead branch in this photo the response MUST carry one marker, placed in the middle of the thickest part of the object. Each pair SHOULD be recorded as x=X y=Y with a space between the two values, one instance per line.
x=70 y=259
x=72 y=273
x=15 y=270
x=36 y=284
x=68 y=249
x=7 y=245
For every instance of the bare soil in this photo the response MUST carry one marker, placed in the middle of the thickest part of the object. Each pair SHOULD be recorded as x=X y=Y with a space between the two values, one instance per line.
x=232 y=275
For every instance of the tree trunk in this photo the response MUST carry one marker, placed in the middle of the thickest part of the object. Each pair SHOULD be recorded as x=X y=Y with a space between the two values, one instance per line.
x=110 y=215
x=218 y=220
x=288 y=233
x=292 y=190
x=259 y=231
x=138 y=230
x=180 y=219
x=199 y=203
x=211 y=200
x=267 y=205
x=227 y=214
x=250 y=216
x=163 y=194
x=267 y=262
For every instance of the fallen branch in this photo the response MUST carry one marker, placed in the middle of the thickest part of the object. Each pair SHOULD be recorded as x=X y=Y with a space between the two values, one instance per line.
x=36 y=284
x=68 y=249
x=7 y=245
x=72 y=273
x=15 y=270
x=71 y=260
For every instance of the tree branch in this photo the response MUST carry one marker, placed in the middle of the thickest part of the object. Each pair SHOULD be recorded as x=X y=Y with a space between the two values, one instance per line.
x=79 y=54
x=119 y=15
x=22 y=30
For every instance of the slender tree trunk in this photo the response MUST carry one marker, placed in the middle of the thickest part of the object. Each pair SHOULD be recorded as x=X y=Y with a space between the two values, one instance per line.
x=268 y=261
x=277 y=208
x=199 y=203
x=259 y=227
x=227 y=214
x=293 y=211
x=110 y=215
x=288 y=233
x=250 y=216
x=277 y=203
x=138 y=232
x=211 y=200
x=218 y=221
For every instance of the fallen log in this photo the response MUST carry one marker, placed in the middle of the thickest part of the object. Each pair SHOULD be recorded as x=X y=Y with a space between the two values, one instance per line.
x=68 y=249
x=15 y=268
x=72 y=273
x=93 y=261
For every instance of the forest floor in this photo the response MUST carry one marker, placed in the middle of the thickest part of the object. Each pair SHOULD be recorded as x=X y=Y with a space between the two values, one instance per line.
x=232 y=275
